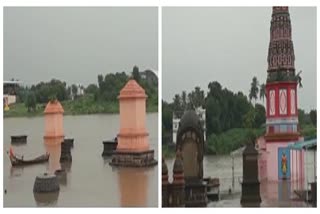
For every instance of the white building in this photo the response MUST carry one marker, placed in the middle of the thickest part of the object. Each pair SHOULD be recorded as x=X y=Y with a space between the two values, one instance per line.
x=80 y=90
x=9 y=91
x=175 y=123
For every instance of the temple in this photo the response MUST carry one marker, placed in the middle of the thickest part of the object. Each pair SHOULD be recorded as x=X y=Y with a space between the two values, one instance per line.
x=282 y=126
x=54 y=133
x=189 y=187
x=133 y=145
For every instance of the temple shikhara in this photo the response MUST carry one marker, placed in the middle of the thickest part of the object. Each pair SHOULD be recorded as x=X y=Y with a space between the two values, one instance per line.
x=54 y=133
x=133 y=144
x=277 y=161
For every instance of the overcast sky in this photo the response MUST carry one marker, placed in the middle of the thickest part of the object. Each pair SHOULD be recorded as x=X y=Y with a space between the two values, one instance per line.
x=77 y=44
x=230 y=45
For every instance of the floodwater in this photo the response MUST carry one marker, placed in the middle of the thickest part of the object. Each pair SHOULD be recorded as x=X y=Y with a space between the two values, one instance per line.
x=90 y=181
x=273 y=194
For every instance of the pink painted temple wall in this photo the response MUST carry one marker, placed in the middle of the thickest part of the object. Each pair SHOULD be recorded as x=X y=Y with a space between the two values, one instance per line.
x=268 y=161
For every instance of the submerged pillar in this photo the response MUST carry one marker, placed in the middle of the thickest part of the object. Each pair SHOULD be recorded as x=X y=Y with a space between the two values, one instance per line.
x=65 y=152
x=133 y=146
x=54 y=134
x=165 y=184
x=250 y=194
x=178 y=184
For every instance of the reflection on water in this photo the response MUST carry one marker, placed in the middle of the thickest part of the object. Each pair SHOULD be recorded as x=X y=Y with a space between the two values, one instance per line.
x=16 y=171
x=62 y=176
x=87 y=181
x=133 y=184
x=54 y=158
x=66 y=166
x=46 y=199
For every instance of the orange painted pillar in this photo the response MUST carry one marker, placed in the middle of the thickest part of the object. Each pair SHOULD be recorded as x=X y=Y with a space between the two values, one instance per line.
x=133 y=136
x=53 y=116
x=54 y=135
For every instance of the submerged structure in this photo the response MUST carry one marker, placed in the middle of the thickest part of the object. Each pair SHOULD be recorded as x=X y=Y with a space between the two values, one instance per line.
x=173 y=194
x=250 y=192
x=176 y=117
x=54 y=134
x=53 y=116
x=133 y=146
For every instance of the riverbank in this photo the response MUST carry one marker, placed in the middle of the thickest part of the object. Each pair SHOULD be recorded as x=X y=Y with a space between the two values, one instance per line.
x=80 y=106
x=233 y=139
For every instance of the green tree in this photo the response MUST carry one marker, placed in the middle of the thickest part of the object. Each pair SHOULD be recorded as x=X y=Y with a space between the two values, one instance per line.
x=100 y=81
x=74 y=90
x=260 y=115
x=166 y=116
x=44 y=90
x=249 y=119
x=197 y=97
x=30 y=102
x=213 y=112
x=136 y=73
x=254 y=89
x=184 y=100
x=92 y=89
x=313 y=117
x=301 y=117
x=177 y=107
x=215 y=89
x=262 y=92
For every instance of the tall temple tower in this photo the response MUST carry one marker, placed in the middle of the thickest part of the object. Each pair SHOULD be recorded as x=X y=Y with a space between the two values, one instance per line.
x=281 y=87
x=281 y=92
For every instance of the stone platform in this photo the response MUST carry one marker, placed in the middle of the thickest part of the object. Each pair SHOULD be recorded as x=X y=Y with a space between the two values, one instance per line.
x=133 y=159
x=109 y=147
x=65 y=152
x=196 y=194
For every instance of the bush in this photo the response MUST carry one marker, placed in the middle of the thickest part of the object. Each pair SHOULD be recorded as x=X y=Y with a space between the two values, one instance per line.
x=231 y=140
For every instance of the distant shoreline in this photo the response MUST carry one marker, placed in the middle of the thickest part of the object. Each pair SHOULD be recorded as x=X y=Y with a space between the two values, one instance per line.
x=20 y=111
x=65 y=114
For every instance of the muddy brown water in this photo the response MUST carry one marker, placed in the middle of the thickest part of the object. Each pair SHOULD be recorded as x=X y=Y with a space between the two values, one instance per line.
x=273 y=194
x=89 y=180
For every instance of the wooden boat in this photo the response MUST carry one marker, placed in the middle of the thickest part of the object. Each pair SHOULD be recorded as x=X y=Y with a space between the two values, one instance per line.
x=16 y=161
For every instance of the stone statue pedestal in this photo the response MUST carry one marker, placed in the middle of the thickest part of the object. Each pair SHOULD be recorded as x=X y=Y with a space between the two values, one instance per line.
x=132 y=141
x=196 y=194
x=133 y=159
x=250 y=193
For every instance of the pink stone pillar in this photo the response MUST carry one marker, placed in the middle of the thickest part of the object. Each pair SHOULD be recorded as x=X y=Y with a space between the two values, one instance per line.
x=133 y=136
x=53 y=116
x=54 y=136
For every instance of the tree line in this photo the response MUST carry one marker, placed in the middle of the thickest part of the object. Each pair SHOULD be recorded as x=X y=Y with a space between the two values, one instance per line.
x=106 y=90
x=225 y=110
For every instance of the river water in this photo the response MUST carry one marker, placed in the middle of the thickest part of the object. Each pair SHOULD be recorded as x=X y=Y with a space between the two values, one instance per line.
x=273 y=194
x=89 y=181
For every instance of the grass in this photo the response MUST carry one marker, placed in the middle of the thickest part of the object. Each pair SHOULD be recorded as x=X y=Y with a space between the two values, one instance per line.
x=309 y=131
x=223 y=143
x=19 y=110
x=167 y=152
x=80 y=106
x=233 y=139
